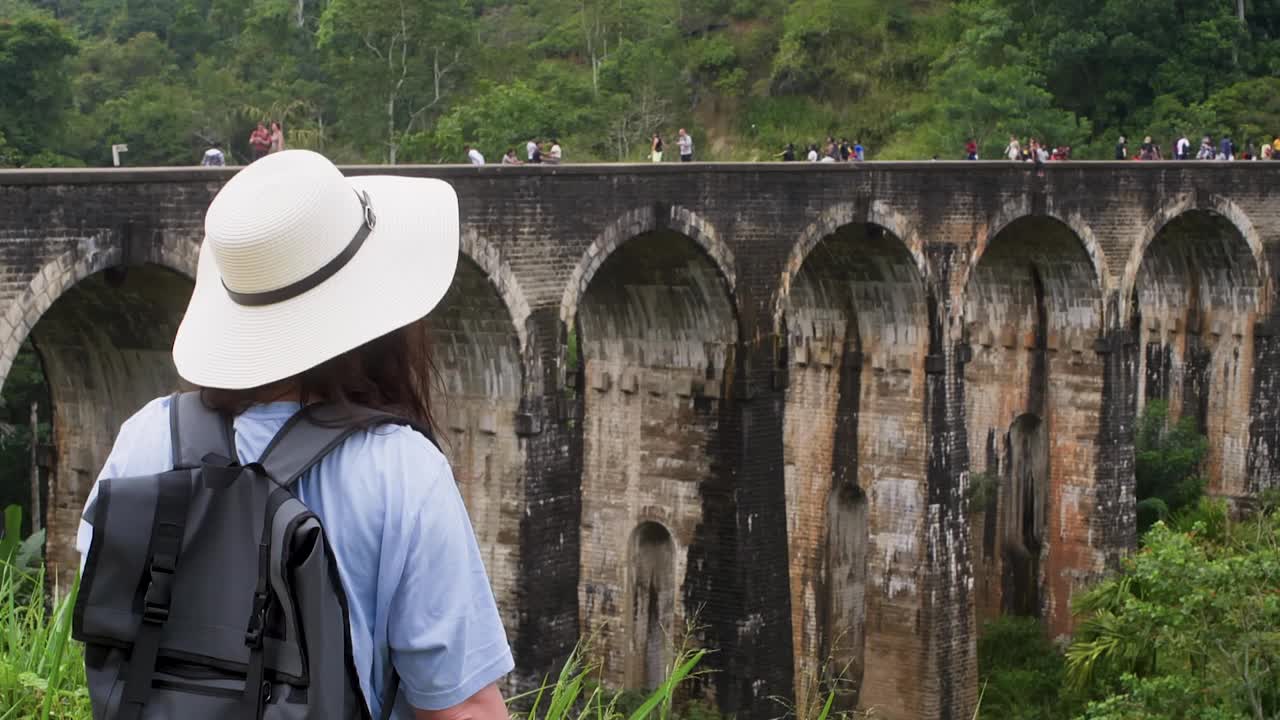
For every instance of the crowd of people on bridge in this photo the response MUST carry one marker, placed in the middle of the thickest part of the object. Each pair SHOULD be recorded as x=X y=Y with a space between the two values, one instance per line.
x=266 y=140
x=1223 y=149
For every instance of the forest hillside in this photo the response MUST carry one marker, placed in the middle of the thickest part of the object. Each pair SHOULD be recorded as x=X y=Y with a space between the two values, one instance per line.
x=415 y=80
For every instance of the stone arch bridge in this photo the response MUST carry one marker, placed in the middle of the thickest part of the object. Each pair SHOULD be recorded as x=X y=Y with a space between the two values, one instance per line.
x=754 y=394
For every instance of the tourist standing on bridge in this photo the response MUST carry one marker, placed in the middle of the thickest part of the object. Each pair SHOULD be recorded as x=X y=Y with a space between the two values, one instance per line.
x=473 y=155
x=788 y=153
x=1013 y=150
x=510 y=158
x=213 y=157
x=655 y=148
x=971 y=150
x=684 y=142
x=555 y=155
x=1122 y=148
x=310 y=299
x=260 y=141
x=277 y=137
x=1182 y=149
x=1226 y=148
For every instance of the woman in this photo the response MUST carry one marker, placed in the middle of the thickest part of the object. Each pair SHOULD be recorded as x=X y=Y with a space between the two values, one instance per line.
x=313 y=288
x=277 y=137
x=655 y=148
x=1013 y=150
x=510 y=158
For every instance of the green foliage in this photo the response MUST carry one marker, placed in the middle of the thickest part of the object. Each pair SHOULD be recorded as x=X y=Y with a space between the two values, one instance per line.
x=1189 y=630
x=1168 y=460
x=384 y=80
x=1022 y=673
x=33 y=81
x=575 y=695
x=24 y=385
x=22 y=555
x=983 y=487
x=41 y=668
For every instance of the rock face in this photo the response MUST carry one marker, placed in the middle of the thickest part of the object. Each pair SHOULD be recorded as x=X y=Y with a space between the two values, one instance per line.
x=750 y=399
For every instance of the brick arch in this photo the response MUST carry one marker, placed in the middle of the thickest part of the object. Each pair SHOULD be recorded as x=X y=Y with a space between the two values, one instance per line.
x=637 y=222
x=1017 y=209
x=831 y=220
x=1172 y=210
x=488 y=257
x=92 y=255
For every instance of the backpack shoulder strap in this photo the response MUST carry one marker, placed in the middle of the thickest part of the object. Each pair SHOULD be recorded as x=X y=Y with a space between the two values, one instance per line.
x=197 y=431
x=306 y=438
x=316 y=430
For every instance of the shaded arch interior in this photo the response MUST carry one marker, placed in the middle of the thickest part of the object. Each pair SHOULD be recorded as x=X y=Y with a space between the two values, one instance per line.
x=106 y=345
x=1033 y=310
x=477 y=354
x=856 y=334
x=652 y=596
x=1196 y=299
x=656 y=332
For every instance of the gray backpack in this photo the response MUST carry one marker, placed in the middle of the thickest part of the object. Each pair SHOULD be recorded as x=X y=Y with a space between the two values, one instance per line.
x=210 y=591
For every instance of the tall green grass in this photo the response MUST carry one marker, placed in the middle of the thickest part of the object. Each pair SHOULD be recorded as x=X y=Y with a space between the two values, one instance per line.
x=574 y=694
x=41 y=667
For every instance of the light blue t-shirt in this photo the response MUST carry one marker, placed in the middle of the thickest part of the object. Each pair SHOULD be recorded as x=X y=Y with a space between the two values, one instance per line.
x=416 y=585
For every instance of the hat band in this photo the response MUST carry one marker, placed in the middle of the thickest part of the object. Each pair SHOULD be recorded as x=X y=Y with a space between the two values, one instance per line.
x=328 y=270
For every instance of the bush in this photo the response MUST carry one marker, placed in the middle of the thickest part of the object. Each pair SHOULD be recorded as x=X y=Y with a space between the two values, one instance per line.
x=41 y=668
x=1188 y=630
x=1022 y=674
x=1168 y=458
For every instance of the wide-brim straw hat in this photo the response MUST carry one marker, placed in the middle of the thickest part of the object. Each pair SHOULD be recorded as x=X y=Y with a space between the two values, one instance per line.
x=301 y=264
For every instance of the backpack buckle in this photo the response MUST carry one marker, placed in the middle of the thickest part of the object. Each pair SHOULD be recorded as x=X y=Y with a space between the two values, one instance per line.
x=155 y=605
x=257 y=620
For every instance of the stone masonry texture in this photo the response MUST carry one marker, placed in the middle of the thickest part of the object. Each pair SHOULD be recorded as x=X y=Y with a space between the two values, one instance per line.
x=745 y=404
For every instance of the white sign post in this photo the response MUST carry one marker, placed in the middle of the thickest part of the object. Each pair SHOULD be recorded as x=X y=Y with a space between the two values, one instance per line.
x=115 y=153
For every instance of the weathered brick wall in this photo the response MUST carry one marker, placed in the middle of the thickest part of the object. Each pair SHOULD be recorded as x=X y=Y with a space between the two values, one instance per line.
x=780 y=353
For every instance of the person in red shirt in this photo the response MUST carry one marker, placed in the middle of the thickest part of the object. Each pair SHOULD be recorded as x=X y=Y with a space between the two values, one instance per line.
x=260 y=141
x=971 y=150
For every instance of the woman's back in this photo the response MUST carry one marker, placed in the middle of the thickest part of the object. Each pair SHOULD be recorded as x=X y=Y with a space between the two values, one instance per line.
x=404 y=547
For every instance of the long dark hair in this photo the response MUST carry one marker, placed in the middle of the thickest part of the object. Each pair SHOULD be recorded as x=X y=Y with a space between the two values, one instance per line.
x=393 y=373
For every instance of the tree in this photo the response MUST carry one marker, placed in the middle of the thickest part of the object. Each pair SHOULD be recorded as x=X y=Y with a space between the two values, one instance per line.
x=1167 y=464
x=34 y=82
x=1188 y=630
x=411 y=53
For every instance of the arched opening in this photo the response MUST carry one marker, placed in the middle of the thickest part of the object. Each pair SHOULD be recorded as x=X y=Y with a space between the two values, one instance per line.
x=1022 y=503
x=1195 y=304
x=844 y=618
x=1033 y=390
x=105 y=347
x=656 y=331
x=652 y=602
x=856 y=335
x=478 y=357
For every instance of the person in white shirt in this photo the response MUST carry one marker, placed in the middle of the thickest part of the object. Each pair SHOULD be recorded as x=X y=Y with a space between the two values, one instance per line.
x=474 y=156
x=530 y=148
x=510 y=158
x=685 y=143
x=813 y=153
x=213 y=157
x=1182 y=150
x=555 y=154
